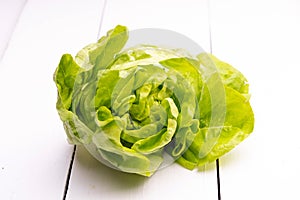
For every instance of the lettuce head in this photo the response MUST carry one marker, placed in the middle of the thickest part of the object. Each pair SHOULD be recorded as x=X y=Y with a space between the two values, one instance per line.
x=137 y=109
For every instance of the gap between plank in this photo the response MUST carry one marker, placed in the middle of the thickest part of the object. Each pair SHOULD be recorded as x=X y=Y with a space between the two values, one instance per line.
x=69 y=173
x=74 y=150
x=13 y=29
x=209 y=26
x=211 y=50
x=218 y=179
x=101 y=19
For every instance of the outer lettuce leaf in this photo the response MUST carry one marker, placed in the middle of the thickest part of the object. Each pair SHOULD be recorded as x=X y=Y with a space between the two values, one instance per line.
x=232 y=77
x=98 y=55
x=71 y=75
x=238 y=124
x=64 y=78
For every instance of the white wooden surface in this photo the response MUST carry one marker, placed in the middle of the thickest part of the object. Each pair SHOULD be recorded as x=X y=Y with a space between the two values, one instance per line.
x=34 y=155
x=260 y=38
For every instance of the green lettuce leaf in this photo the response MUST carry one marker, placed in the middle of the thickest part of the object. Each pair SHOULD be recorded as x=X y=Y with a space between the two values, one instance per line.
x=238 y=122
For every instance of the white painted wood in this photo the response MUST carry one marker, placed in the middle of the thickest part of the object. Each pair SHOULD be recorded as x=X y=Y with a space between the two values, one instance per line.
x=261 y=38
x=90 y=179
x=93 y=180
x=34 y=153
x=188 y=17
x=10 y=11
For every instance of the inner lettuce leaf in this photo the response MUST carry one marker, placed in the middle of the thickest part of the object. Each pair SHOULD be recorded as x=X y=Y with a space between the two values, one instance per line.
x=130 y=108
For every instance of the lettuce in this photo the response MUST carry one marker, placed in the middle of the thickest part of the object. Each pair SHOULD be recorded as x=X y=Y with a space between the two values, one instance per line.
x=141 y=108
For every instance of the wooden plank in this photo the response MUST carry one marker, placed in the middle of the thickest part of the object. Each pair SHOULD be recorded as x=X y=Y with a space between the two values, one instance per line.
x=261 y=38
x=189 y=18
x=90 y=179
x=34 y=153
x=9 y=14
